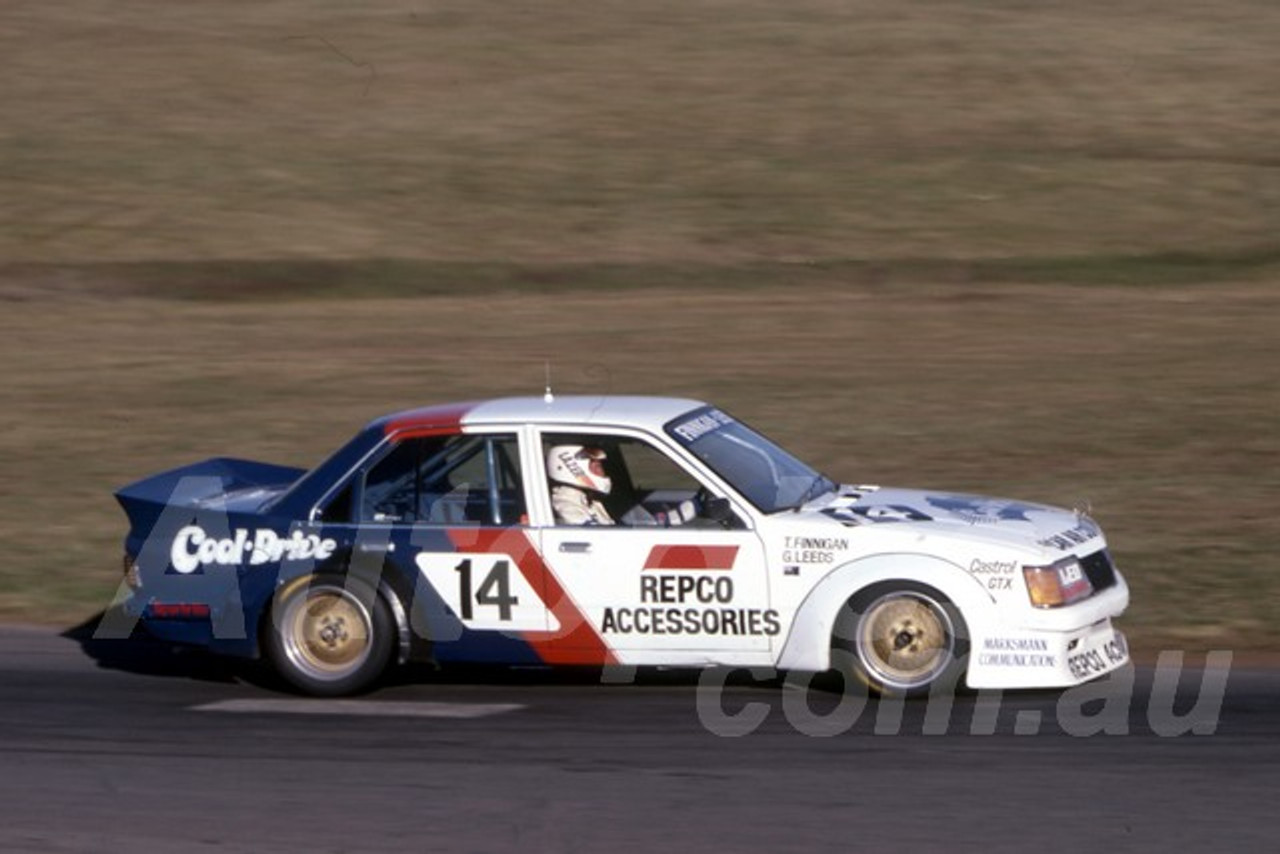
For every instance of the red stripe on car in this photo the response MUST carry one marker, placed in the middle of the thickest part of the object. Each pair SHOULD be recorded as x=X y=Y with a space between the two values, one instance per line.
x=427 y=421
x=691 y=557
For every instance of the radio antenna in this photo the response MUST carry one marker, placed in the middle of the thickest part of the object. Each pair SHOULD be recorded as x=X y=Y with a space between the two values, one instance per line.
x=547 y=397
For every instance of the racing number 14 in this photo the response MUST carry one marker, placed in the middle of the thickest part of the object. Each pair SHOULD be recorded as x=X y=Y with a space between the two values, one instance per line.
x=494 y=590
x=486 y=591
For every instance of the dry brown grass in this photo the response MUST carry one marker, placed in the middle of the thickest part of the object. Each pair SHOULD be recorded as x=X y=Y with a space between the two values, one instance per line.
x=667 y=130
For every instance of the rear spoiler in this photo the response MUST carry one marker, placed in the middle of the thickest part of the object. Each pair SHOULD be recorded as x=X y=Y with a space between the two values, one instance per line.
x=188 y=486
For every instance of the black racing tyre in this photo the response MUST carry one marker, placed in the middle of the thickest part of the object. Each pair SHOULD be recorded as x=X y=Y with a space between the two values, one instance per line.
x=901 y=639
x=329 y=635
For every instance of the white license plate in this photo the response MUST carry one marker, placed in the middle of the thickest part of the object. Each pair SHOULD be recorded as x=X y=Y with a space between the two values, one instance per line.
x=1103 y=658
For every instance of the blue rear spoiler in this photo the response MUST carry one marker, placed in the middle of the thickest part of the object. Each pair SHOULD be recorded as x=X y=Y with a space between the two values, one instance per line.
x=144 y=500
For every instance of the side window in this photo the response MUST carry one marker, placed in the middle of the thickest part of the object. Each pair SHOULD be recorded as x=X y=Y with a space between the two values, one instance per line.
x=339 y=507
x=651 y=471
x=644 y=486
x=454 y=480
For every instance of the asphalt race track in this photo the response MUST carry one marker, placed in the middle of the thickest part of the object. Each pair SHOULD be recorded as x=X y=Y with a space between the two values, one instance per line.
x=120 y=746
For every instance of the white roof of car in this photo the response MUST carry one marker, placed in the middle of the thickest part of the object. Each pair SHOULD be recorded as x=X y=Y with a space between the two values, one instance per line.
x=648 y=413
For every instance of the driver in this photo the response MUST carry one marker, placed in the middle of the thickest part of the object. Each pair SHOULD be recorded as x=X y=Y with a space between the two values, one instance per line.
x=578 y=479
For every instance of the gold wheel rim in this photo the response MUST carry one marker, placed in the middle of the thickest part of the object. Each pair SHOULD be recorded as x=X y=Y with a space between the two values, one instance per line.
x=327 y=633
x=904 y=640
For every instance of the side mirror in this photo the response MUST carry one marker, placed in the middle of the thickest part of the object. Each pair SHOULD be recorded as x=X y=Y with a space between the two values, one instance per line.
x=720 y=511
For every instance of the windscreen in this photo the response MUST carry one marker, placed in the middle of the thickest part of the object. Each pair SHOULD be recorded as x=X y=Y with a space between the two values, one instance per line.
x=766 y=475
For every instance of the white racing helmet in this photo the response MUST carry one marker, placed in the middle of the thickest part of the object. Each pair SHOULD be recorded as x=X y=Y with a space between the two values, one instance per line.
x=579 y=465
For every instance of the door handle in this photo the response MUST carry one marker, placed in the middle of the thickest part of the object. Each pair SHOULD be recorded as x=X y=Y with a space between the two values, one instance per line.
x=575 y=548
x=377 y=548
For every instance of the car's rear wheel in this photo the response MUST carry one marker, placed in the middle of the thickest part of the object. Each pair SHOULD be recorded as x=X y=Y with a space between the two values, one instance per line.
x=901 y=639
x=329 y=636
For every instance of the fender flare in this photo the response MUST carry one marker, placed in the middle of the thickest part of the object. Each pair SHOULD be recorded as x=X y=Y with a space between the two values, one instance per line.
x=808 y=643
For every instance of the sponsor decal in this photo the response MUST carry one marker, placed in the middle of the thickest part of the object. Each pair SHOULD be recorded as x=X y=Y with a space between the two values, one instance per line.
x=679 y=588
x=998 y=573
x=993 y=567
x=707 y=422
x=193 y=548
x=690 y=621
x=813 y=550
x=568 y=459
x=981 y=511
x=1071 y=537
x=679 y=603
x=1016 y=652
x=178 y=611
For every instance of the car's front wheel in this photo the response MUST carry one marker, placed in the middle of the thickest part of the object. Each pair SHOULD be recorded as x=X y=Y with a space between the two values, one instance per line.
x=329 y=636
x=901 y=639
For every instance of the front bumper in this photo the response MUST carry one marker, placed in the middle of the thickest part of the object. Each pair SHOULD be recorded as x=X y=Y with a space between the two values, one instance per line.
x=1046 y=659
x=1053 y=648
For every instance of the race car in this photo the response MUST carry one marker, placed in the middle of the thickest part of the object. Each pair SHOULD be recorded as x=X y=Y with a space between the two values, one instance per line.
x=611 y=530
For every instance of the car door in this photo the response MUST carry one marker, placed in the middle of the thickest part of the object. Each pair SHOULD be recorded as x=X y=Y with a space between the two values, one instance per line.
x=446 y=513
x=663 y=583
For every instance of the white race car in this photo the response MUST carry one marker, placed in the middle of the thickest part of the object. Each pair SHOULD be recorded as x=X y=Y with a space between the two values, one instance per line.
x=612 y=530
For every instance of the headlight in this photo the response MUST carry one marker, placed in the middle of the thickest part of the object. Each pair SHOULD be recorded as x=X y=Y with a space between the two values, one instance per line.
x=1060 y=584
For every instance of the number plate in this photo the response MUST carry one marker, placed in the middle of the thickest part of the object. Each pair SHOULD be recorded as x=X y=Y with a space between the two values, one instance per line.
x=1099 y=659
